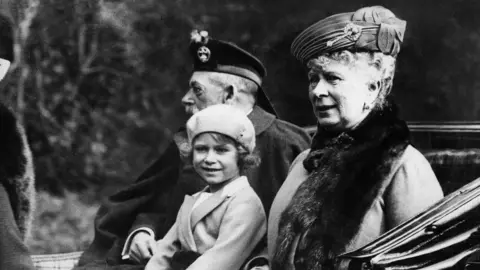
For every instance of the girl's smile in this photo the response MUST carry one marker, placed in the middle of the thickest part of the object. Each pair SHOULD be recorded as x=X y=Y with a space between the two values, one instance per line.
x=215 y=158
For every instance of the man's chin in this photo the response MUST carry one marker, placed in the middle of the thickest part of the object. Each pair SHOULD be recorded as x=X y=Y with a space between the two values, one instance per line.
x=190 y=111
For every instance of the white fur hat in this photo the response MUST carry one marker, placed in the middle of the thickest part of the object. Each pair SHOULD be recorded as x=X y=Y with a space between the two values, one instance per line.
x=223 y=119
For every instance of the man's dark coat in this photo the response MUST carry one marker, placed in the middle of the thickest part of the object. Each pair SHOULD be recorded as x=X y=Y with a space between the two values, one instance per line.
x=154 y=199
x=17 y=193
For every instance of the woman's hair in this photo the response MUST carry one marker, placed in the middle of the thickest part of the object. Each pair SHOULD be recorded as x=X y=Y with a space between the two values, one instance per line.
x=245 y=162
x=384 y=64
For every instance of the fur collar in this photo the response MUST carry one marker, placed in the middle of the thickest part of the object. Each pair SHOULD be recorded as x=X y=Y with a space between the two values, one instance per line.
x=345 y=173
x=16 y=170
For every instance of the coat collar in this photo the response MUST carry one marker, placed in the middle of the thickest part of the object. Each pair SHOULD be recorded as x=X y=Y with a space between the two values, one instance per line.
x=261 y=119
x=216 y=199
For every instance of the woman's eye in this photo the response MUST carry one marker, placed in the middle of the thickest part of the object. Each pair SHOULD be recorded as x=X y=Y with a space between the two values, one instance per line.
x=332 y=78
x=314 y=79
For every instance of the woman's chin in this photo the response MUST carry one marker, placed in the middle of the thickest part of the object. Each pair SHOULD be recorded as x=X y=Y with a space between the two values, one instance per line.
x=326 y=122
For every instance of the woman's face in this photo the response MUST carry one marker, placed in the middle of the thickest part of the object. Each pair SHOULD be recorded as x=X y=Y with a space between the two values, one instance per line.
x=339 y=92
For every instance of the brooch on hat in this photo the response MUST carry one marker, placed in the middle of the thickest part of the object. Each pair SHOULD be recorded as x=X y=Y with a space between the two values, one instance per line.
x=350 y=31
x=203 y=53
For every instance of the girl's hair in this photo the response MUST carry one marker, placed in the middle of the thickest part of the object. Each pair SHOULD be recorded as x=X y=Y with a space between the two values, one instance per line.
x=384 y=64
x=245 y=162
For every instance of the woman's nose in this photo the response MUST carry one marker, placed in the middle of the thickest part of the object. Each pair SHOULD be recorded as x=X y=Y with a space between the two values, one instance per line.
x=320 y=90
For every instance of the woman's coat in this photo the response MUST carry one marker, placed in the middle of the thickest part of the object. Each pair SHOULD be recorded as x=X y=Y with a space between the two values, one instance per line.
x=348 y=191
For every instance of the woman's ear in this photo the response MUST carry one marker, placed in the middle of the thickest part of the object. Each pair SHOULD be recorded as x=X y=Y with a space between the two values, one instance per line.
x=374 y=87
x=4 y=66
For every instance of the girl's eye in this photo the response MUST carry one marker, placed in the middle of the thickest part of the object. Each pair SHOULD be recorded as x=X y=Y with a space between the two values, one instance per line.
x=222 y=149
x=200 y=148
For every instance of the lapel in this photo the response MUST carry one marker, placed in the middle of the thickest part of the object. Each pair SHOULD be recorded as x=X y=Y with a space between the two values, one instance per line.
x=216 y=199
x=206 y=207
x=261 y=119
x=185 y=230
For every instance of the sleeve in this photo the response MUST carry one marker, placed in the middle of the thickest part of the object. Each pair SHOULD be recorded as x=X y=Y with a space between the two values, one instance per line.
x=117 y=215
x=158 y=215
x=413 y=189
x=128 y=242
x=166 y=248
x=13 y=252
x=242 y=228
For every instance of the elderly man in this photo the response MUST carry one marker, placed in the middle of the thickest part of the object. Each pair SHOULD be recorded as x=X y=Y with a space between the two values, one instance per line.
x=128 y=224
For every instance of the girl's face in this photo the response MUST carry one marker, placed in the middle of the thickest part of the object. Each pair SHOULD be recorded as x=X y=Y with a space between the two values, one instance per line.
x=338 y=92
x=215 y=159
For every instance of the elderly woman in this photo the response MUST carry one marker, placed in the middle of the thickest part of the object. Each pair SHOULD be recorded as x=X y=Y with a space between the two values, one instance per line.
x=361 y=176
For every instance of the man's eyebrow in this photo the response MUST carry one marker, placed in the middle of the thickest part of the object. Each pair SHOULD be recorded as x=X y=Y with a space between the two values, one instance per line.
x=195 y=83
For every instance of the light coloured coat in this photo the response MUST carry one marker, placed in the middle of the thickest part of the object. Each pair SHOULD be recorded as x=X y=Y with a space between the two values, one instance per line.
x=410 y=188
x=224 y=229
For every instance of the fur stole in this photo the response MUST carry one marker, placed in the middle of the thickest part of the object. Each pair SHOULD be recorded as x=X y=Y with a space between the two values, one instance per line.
x=16 y=170
x=345 y=175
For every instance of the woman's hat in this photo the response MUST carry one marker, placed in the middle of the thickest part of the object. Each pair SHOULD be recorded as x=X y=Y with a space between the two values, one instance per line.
x=223 y=119
x=374 y=29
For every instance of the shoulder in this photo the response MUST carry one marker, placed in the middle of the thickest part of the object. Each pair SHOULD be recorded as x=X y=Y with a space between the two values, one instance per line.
x=246 y=200
x=412 y=189
x=412 y=161
x=289 y=128
x=246 y=194
x=290 y=133
x=411 y=154
x=300 y=158
x=413 y=172
x=296 y=174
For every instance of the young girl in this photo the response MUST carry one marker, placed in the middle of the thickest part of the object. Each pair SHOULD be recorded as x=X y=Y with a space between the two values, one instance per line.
x=218 y=227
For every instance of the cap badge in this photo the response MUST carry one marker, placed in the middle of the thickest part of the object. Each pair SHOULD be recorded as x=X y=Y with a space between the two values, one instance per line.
x=199 y=36
x=350 y=31
x=203 y=54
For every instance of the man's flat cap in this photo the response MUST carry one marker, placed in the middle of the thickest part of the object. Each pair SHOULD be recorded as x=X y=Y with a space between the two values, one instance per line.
x=226 y=57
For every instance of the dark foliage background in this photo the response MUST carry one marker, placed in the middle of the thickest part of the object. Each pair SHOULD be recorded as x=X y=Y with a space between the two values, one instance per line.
x=98 y=83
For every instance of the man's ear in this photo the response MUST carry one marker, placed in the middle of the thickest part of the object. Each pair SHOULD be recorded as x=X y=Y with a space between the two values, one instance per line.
x=229 y=94
x=4 y=66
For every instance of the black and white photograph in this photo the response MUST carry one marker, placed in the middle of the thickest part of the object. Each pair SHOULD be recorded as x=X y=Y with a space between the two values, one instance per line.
x=239 y=135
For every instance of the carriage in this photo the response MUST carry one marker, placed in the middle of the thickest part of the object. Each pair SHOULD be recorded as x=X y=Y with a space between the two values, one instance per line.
x=445 y=236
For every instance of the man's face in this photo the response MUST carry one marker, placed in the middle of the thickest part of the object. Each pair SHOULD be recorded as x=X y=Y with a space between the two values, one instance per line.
x=204 y=90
